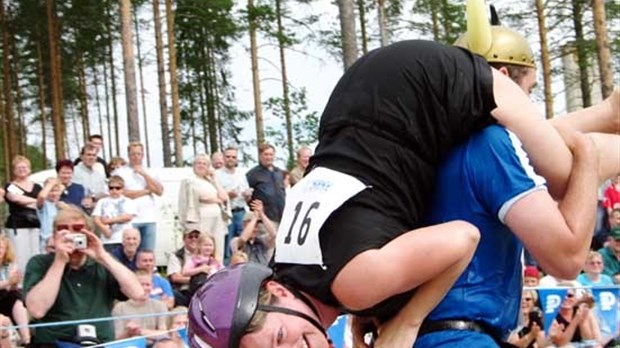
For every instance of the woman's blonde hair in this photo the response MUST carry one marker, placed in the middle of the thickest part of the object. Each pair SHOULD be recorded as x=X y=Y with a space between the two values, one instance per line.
x=9 y=254
x=594 y=255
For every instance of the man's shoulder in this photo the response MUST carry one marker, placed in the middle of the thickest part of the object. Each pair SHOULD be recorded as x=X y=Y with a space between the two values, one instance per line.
x=41 y=260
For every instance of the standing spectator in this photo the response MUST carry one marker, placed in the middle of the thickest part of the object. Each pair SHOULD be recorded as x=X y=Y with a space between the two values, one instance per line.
x=531 y=276
x=22 y=224
x=235 y=184
x=303 y=158
x=201 y=203
x=142 y=186
x=611 y=255
x=611 y=199
x=593 y=270
x=161 y=290
x=146 y=326
x=176 y=262
x=115 y=163
x=90 y=173
x=113 y=214
x=257 y=247
x=73 y=193
x=78 y=281
x=126 y=252
x=48 y=203
x=267 y=180
x=97 y=141
x=10 y=296
x=217 y=160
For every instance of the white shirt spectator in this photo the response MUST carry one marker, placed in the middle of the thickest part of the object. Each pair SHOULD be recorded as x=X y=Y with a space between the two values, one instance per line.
x=93 y=179
x=146 y=206
x=114 y=207
x=233 y=182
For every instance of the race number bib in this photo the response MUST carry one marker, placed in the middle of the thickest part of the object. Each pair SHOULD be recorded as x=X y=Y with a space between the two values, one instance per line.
x=308 y=205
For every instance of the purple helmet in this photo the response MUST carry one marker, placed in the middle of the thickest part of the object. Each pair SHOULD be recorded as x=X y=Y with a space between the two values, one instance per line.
x=222 y=308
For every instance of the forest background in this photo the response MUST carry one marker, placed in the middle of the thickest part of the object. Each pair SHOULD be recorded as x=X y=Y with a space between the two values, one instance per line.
x=194 y=76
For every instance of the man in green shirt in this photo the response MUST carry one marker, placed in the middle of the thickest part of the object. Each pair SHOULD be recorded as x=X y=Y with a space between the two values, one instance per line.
x=79 y=281
x=611 y=255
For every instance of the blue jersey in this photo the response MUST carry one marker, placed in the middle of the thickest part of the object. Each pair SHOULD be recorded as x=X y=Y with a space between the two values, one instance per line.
x=479 y=182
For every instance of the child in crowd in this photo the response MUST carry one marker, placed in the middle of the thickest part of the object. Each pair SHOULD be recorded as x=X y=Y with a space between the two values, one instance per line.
x=238 y=257
x=11 y=304
x=48 y=203
x=203 y=260
x=114 y=213
x=178 y=322
x=115 y=163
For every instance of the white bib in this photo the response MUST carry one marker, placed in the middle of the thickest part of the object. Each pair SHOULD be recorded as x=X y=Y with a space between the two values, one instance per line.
x=308 y=205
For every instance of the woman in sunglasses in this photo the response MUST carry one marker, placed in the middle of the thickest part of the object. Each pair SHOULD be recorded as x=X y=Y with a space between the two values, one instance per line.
x=114 y=213
x=80 y=280
x=576 y=320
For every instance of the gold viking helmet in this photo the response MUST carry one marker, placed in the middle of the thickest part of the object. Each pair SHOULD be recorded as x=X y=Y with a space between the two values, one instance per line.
x=497 y=44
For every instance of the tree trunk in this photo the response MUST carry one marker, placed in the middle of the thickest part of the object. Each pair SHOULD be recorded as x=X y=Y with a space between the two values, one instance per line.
x=447 y=23
x=582 y=56
x=9 y=118
x=98 y=104
x=347 y=27
x=83 y=99
x=435 y=20
x=161 y=77
x=174 y=86
x=21 y=122
x=361 y=8
x=210 y=94
x=55 y=83
x=382 y=22
x=142 y=91
x=603 y=52
x=258 y=108
x=129 y=68
x=113 y=84
x=5 y=159
x=106 y=89
x=285 y=94
x=544 y=56
x=42 y=103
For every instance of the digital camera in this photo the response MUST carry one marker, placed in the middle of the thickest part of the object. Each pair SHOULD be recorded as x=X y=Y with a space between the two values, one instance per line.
x=79 y=240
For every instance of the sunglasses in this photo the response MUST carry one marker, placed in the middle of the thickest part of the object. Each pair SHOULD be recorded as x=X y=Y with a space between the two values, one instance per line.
x=115 y=187
x=74 y=227
x=528 y=299
x=193 y=236
x=570 y=295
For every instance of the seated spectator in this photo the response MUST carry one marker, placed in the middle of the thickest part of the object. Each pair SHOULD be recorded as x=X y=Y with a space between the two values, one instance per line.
x=531 y=276
x=5 y=333
x=48 y=203
x=176 y=323
x=203 y=262
x=531 y=334
x=10 y=296
x=611 y=195
x=161 y=290
x=611 y=255
x=176 y=261
x=576 y=320
x=602 y=238
x=257 y=246
x=79 y=281
x=22 y=225
x=593 y=270
x=113 y=214
x=167 y=343
x=126 y=252
x=150 y=326
x=238 y=257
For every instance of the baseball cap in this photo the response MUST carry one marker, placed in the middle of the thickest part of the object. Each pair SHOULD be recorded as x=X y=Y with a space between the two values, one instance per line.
x=615 y=233
x=531 y=271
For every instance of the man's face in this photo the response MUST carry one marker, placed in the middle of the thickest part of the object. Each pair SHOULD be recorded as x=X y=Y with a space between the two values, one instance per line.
x=131 y=241
x=615 y=245
x=147 y=284
x=179 y=321
x=266 y=157
x=217 y=161
x=65 y=175
x=304 y=158
x=135 y=155
x=230 y=159
x=89 y=157
x=62 y=229
x=145 y=261
x=614 y=219
x=98 y=143
x=191 y=240
x=284 y=330
x=530 y=281
x=527 y=82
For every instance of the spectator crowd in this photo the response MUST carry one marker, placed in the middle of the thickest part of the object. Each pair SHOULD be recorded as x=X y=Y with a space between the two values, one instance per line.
x=82 y=246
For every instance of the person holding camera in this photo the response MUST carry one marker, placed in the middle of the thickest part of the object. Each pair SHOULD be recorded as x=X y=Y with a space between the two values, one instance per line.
x=575 y=320
x=80 y=280
x=257 y=246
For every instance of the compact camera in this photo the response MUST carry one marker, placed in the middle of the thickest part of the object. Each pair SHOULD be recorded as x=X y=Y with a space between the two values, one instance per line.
x=79 y=240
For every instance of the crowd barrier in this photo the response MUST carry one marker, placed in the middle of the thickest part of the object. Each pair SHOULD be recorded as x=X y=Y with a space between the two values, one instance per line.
x=606 y=310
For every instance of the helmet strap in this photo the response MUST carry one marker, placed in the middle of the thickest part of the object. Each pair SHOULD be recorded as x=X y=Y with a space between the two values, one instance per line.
x=269 y=308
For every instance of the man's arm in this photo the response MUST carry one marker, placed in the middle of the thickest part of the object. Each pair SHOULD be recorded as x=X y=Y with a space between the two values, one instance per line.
x=558 y=235
x=152 y=184
x=42 y=296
